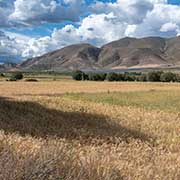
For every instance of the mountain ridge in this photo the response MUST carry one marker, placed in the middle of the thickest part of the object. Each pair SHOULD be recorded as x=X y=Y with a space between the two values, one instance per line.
x=124 y=53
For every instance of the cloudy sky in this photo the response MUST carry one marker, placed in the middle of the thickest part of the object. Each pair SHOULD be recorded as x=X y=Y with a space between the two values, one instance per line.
x=30 y=28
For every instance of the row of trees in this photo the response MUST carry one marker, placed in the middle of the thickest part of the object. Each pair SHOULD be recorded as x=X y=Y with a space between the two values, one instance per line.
x=15 y=76
x=156 y=76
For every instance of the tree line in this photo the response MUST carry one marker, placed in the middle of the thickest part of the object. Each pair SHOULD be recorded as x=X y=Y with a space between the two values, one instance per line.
x=154 y=76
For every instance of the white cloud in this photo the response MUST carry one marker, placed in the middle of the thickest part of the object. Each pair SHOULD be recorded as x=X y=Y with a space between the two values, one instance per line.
x=169 y=27
x=5 y=9
x=130 y=30
x=15 y=13
x=106 y=22
x=40 y=11
x=90 y=31
x=160 y=15
x=11 y=48
x=130 y=11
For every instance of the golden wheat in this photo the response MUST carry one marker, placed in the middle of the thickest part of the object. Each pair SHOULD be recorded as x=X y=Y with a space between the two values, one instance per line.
x=60 y=87
x=59 y=137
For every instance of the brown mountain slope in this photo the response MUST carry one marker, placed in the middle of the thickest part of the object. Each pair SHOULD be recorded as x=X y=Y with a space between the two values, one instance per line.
x=7 y=66
x=124 y=53
x=130 y=52
x=80 y=56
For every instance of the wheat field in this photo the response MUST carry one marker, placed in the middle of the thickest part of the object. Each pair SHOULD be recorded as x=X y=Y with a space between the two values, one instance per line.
x=89 y=131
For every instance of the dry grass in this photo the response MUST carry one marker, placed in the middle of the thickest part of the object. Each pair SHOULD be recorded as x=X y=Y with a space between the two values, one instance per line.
x=75 y=138
x=60 y=87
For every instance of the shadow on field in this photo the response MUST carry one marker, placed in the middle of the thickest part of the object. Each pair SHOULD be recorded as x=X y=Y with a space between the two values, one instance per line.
x=30 y=118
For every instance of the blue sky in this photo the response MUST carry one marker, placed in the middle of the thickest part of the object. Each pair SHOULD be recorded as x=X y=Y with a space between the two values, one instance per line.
x=32 y=28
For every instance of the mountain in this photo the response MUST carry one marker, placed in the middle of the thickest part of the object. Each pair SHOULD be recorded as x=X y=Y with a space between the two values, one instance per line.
x=124 y=53
x=80 y=56
x=8 y=66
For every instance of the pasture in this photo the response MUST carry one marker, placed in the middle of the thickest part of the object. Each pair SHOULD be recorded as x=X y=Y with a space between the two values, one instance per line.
x=89 y=130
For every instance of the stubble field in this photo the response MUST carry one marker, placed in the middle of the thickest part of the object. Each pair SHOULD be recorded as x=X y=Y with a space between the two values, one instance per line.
x=89 y=130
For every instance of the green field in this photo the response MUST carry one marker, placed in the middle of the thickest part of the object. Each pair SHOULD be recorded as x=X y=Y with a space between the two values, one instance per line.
x=153 y=99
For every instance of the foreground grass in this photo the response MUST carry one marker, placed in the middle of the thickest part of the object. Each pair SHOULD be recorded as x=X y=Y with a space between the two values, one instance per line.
x=91 y=136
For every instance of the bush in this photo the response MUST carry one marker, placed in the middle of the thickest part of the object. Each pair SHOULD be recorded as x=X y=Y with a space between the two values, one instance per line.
x=177 y=78
x=97 y=77
x=12 y=79
x=154 y=76
x=120 y=77
x=142 y=78
x=2 y=75
x=31 y=80
x=17 y=76
x=77 y=75
x=168 y=77
x=85 y=77
x=112 y=76
x=130 y=77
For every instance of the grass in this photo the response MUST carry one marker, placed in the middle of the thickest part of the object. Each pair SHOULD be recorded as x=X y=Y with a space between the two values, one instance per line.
x=160 y=100
x=41 y=76
x=128 y=131
x=52 y=88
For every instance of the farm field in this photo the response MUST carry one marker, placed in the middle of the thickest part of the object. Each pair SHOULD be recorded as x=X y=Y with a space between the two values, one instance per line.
x=89 y=130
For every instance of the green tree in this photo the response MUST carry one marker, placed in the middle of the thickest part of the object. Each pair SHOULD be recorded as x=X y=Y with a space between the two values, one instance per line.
x=168 y=77
x=177 y=78
x=77 y=75
x=2 y=75
x=85 y=77
x=130 y=76
x=154 y=76
x=120 y=77
x=142 y=77
x=112 y=76
x=97 y=76
x=17 y=76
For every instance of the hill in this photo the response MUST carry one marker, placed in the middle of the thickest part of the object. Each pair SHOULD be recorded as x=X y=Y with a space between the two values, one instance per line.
x=125 y=53
x=80 y=56
x=7 y=66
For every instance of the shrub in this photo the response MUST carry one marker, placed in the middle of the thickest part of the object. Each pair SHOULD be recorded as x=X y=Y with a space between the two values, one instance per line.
x=2 y=75
x=177 y=78
x=154 y=76
x=112 y=76
x=97 y=77
x=85 y=77
x=168 y=77
x=77 y=75
x=17 y=76
x=130 y=77
x=12 y=79
x=31 y=80
x=103 y=76
x=120 y=77
x=142 y=78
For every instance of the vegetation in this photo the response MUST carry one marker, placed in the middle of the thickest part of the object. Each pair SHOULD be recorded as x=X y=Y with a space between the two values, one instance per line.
x=2 y=75
x=31 y=80
x=155 y=76
x=142 y=77
x=168 y=77
x=12 y=79
x=112 y=76
x=97 y=77
x=16 y=76
x=77 y=75
x=54 y=131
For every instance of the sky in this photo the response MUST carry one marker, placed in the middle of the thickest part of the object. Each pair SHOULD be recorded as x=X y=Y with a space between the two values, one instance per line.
x=30 y=28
